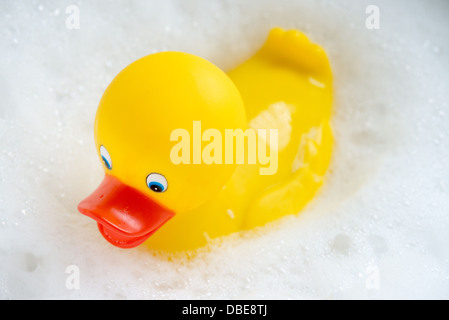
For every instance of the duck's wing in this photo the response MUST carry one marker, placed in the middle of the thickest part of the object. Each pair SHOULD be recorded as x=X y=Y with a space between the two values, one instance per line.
x=287 y=85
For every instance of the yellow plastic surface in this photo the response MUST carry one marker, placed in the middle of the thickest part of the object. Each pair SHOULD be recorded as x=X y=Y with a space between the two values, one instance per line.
x=146 y=103
x=287 y=85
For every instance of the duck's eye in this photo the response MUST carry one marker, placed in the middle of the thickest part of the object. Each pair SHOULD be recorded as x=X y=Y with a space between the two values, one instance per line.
x=106 y=157
x=157 y=182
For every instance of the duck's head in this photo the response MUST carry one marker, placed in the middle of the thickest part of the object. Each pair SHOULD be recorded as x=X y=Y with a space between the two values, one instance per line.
x=150 y=98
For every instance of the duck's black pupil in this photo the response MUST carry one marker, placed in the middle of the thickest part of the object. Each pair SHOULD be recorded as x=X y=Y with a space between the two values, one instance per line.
x=106 y=163
x=156 y=188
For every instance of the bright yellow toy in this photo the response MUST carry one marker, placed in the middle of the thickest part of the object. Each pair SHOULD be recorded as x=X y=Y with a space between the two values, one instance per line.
x=162 y=120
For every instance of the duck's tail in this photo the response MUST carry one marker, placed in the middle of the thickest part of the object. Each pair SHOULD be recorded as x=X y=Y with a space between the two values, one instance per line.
x=294 y=48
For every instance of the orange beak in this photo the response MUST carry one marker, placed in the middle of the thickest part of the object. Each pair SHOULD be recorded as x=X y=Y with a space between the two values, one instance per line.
x=125 y=216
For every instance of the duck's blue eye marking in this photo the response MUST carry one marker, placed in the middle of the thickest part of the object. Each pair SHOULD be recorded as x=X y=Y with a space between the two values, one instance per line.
x=106 y=157
x=157 y=182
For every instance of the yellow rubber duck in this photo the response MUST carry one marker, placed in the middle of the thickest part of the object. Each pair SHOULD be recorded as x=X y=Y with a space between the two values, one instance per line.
x=159 y=128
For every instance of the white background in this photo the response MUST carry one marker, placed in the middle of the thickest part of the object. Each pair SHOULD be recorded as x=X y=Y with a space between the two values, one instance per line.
x=378 y=229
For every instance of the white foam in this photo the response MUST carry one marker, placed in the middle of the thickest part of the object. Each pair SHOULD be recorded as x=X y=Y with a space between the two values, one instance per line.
x=378 y=228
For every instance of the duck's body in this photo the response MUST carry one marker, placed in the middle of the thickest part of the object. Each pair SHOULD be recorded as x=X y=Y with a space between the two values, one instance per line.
x=286 y=86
